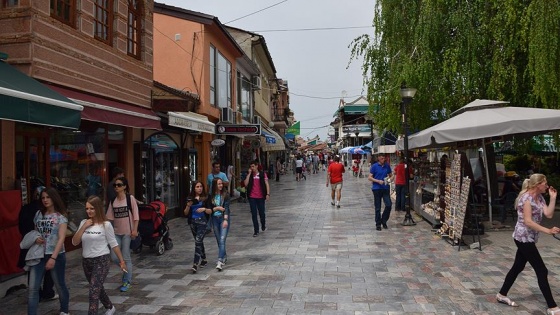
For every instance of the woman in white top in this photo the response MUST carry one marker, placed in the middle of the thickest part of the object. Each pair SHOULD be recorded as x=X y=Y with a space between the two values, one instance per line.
x=95 y=233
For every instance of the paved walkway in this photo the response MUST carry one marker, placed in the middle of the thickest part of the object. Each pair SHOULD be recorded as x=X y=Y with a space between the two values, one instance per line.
x=316 y=259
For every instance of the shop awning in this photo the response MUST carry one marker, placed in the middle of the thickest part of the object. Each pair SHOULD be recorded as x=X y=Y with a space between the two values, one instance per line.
x=112 y=112
x=25 y=99
x=191 y=121
x=268 y=144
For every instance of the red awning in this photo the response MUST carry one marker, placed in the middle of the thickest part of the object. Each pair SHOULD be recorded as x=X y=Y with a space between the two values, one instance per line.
x=112 y=112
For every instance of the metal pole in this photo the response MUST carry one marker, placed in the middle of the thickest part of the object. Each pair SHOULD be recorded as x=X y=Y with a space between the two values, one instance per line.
x=408 y=220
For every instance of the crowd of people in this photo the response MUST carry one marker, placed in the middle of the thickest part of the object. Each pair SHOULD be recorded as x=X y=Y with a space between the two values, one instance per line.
x=108 y=230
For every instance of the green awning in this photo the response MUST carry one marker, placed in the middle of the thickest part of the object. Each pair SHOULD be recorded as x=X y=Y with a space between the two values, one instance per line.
x=356 y=109
x=25 y=99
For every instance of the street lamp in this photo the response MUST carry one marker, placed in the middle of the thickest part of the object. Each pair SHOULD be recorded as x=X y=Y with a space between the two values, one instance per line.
x=357 y=142
x=407 y=94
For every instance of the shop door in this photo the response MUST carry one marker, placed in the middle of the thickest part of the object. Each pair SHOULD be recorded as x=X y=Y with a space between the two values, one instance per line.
x=31 y=163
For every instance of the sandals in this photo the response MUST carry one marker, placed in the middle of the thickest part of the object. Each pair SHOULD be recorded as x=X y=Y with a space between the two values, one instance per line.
x=505 y=300
x=552 y=312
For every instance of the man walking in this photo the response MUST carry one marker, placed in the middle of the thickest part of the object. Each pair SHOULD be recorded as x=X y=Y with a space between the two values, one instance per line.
x=378 y=175
x=334 y=176
x=258 y=192
x=216 y=173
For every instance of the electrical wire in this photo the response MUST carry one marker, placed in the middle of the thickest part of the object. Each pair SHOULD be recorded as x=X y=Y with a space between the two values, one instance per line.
x=239 y=18
x=313 y=29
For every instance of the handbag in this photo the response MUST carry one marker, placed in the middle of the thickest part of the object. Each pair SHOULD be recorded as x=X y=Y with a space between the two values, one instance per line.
x=136 y=243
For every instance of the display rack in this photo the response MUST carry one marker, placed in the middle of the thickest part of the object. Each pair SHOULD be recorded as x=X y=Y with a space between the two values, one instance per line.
x=429 y=192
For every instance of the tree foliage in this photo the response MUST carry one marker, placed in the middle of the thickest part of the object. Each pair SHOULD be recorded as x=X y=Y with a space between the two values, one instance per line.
x=454 y=52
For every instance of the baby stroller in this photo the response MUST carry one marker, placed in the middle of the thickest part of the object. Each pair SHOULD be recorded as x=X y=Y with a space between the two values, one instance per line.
x=153 y=227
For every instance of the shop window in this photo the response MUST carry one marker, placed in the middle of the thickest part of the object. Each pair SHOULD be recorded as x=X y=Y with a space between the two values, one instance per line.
x=78 y=168
x=10 y=3
x=134 y=28
x=160 y=170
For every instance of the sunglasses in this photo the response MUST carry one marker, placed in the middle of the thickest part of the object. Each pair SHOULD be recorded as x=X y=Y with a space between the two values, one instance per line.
x=118 y=185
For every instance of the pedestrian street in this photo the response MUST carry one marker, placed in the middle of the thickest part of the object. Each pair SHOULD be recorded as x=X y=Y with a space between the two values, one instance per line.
x=317 y=259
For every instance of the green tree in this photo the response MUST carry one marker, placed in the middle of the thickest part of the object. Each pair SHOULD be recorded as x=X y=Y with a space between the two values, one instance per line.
x=454 y=52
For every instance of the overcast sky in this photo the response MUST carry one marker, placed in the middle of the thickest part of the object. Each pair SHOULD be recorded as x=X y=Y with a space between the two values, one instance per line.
x=313 y=61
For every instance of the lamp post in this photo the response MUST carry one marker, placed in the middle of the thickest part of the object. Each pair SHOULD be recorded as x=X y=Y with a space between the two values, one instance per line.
x=357 y=142
x=407 y=94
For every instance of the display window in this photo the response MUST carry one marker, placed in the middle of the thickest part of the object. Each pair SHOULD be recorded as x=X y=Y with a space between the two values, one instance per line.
x=160 y=168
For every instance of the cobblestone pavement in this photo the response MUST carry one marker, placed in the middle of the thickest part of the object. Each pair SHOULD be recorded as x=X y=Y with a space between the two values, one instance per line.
x=317 y=259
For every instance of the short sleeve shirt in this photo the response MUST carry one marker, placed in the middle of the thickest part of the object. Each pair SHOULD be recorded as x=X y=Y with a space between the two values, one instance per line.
x=522 y=233
x=210 y=179
x=96 y=238
x=123 y=218
x=336 y=170
x=49 y=225
x=379 y=172
x=257 y=192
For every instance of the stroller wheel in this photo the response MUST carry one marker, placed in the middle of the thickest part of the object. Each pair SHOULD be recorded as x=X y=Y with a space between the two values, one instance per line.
x=160 y=248
x=168 y=243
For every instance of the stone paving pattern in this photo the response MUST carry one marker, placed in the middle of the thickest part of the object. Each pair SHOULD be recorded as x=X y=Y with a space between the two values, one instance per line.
x=317 y=259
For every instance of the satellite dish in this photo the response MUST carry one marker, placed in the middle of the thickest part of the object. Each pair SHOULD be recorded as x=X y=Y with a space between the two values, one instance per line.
x=217 y=142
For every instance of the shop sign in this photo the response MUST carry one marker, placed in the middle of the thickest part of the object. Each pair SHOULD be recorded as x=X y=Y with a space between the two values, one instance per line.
x=356 y=128
x=185 y=122
x=248 y=129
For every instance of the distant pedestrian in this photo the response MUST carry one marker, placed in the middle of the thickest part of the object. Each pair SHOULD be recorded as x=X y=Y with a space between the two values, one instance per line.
x=400 y=184
x=278 y=169
x=299 y=168
x=531 y=206
x=258 y=192
x=51 y=223
x=197 y=218
x=378 y=175
x=218 y=203
x=334 y=177
x=98 y=238
x=125 y=222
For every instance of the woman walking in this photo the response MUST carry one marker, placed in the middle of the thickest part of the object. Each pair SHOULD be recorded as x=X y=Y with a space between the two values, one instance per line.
x=198 y=220
x=96 y=235
x=51 y=222
x=123 y=211
x=531 y=206
x=218 y=206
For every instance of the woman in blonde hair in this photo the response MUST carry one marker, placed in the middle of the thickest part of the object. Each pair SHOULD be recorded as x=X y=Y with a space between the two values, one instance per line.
x=531 y=206
x=96 y=235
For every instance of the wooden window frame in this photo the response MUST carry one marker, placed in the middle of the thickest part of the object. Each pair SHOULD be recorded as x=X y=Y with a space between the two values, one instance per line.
x=134 y=29
x=7 y=4
x=103 y=20
x=64 y=11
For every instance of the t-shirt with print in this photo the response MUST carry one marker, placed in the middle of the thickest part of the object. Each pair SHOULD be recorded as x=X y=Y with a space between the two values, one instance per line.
x=257 y=192
x=49 y=225
x=96 y=238
x=119 y=213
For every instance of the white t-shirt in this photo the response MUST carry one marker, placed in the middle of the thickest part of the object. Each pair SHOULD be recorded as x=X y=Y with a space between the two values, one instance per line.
x=299 y=163
x=96 y=238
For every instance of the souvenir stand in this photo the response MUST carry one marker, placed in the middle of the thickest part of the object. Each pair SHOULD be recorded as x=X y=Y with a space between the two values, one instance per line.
x=426 y=190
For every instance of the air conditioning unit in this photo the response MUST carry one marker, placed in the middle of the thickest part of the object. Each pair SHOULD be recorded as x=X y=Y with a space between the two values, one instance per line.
x=257 y=83
x=239 y=117
x=257 y=120
x=227 y=115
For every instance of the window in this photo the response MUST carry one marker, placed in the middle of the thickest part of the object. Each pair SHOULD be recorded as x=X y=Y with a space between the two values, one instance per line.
x=10 y=3
x=244 y=96
x=64 y=11
x=134 y=28
x=103 y=21
x=212 y=75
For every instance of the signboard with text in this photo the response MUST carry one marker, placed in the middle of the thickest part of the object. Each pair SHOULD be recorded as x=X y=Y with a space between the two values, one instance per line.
x=247 y=130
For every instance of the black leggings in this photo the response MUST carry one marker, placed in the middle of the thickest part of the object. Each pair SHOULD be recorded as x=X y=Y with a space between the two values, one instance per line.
x=528 y=252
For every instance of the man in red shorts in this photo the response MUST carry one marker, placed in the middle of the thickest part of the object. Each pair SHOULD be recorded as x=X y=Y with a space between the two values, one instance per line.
x=334 y=177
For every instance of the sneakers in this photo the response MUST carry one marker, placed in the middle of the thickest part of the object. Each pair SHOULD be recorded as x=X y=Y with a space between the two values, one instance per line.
x=111 y=311
x=54 y=297
x=203 y=263
x=384 y=225
x=378 y=228
x=338 y=205
x=263 y=228
x=255 y=234
x=125 y=286
x=62 y=313
x=194 y=268
x=220 y=266
x=332 y=203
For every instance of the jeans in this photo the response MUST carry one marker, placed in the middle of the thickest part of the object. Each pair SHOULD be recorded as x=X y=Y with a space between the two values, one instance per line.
x=36 y=274
x=528 y=252
x=400 y=201
x=96 y=270
x=124 y=245
x=378 y=195
x=257 y=204
x=221 y=235
x=198 y=231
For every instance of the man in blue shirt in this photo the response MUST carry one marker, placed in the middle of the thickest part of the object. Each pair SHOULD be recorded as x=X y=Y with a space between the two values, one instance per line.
x=216 y=174
x=378 y=175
